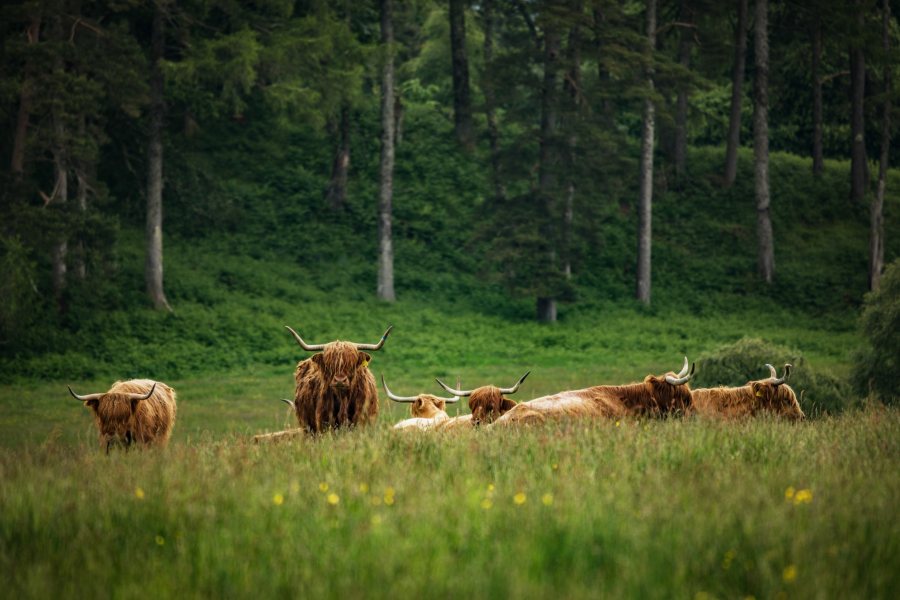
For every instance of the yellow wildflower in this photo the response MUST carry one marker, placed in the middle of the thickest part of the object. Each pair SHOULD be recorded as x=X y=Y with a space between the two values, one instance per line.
x=139 y=493
x=323 y=487
x=295 y=487
x=803 y=497
x=160 y=540
x=363 y=488
x=486 y=504
x=617 y=423
x=547 y=499
x=333 y=499
x=376 y=520
x=519 y=498
x=789 y=574
x=278 y=499
x=389 y=496
x=789 y=493
x=490 y=487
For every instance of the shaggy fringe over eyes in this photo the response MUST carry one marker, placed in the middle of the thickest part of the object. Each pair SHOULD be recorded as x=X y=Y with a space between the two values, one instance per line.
x=487 y=404
x=153 y=419
x=319 y=406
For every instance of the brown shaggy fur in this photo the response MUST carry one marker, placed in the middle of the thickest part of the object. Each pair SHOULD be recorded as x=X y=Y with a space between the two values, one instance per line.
x=427 y=411
x=747 y=400
x=335 y=388
x=279 y=436
x=487 y=404
x=121 y=420
x=654 y=397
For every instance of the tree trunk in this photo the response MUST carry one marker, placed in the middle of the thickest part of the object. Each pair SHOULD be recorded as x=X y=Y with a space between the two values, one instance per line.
x=737 y=84
x=761 y=143
x=645 y=200
x=17 y=161
x=876 y=236
x=153 y=271
x=336 y=194
x=685 y=44
x=817 y=152
x=462 y=103
x=386 y=188
x=548 y=156
x=490 y=99
x=858 y=167
x=572 y=85
x=60 y=195
x=606 y=105
x=81 y=178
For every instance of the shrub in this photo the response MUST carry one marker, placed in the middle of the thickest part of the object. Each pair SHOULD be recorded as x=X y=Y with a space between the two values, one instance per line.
x=878 y=362
x=736 y=364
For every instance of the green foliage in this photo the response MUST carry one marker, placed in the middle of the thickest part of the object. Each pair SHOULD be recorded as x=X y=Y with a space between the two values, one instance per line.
x=736 y=364
x=877 y=363
x=17 y=288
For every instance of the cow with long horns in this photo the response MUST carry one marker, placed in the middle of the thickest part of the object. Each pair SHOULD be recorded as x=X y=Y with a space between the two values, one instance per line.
x=654 y=396
x=487 y=404
x=335 y=388
x=139 y=411
x=770 y=395
x=427 y=410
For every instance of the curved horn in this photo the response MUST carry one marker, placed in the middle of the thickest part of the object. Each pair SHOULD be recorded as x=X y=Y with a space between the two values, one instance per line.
x=86 y=397
x=453 y=399
x=286 y=401
x=304 y=345
x=394 y=396
x=772 y=372
x=140 y=396
x=379 y=344
x=515 y=388
x=456 y=392
x=684 y=376
x=784 y=376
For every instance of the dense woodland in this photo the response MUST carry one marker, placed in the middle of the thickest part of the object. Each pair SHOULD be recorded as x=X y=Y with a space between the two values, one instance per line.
x=521 y=157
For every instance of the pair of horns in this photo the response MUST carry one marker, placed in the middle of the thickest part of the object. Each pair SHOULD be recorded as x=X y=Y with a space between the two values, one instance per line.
x=511 y=390
x=319 y=347
x=132 y=397
x=396 y=398
x=683 y=375
x=786 y=374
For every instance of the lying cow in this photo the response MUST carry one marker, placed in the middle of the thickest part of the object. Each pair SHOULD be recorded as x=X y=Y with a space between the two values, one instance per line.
x=487 y=404
x=335 y=388
x=655 y=396
x=427 y=410
x=139 y=411
x=770 y=395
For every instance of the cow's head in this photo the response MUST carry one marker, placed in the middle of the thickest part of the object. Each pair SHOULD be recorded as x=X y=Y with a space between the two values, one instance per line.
x=774 y=395
x=423 y=406
x=341 y=362
x=671 y=392
x=487 y=403
x=115 y=414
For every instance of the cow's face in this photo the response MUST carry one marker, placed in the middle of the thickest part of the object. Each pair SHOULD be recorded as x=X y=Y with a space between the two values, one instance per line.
x=487 y=404
x=427 y=406
x=115 y=417
x=341 y=363
x=668 y=397
x=777 y=398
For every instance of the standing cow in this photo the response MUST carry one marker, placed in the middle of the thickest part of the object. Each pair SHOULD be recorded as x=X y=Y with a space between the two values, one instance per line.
x=138 y=411
x=770 y=395
x=487 y=403
x=335 y=388
x=655 y=396
x=427 y=410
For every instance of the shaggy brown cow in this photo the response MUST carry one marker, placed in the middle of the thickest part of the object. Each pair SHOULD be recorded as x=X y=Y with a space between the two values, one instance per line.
x=655 y=396
x=136 y=411
x=771 y=395
x=427 y=410
x=487 y=403
x=335 y=387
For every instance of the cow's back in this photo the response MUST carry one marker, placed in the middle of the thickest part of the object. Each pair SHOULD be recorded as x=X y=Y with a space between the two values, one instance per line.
x=155 y=416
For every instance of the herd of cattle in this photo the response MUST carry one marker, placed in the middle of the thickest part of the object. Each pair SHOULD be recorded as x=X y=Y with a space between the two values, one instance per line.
x=335 y=388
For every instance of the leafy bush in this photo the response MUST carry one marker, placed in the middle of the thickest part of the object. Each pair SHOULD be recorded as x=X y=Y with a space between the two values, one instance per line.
x=736 y=364
x=878 y=362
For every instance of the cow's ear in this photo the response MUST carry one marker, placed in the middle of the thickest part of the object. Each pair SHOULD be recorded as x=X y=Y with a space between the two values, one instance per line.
x=506 y=405
x=364 y=359
x=756 y=389
x=134 y=404
x=318 y=359
x=93 y=403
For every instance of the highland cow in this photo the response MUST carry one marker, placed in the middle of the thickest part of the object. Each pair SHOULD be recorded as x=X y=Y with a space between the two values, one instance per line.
x=770 y=395
x=335 y=387
x=487 y=404
x=139 y=411
x=427 y=410
x=653 y=397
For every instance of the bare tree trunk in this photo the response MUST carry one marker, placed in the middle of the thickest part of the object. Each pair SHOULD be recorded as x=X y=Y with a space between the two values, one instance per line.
x=490 y=99
x=60 y=195
x=81 y=178
x=17 y=161
x=858 y=167
x=336 y=194
x=462 y=103
x=645 y=200
x=606 y=106
x=761 y=143
x=386 y=188
x=876 y=236
x=547 y=180
x=817 y=152
x=737 y=84
x=153 y=269
x=572 y=85
x=685 y=44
